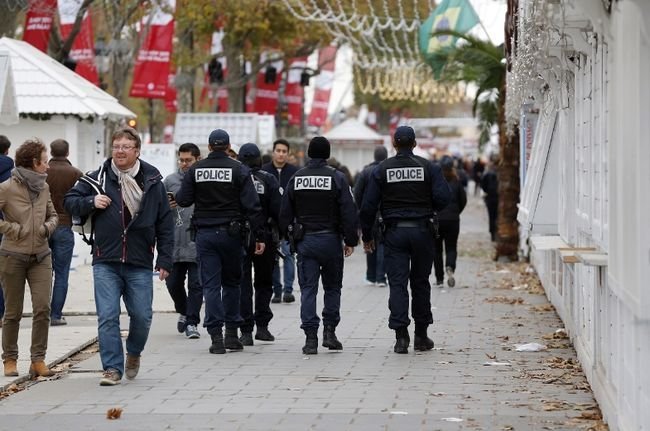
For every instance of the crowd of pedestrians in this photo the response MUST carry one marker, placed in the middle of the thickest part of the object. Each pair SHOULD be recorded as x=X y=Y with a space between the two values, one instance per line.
x=230 y=231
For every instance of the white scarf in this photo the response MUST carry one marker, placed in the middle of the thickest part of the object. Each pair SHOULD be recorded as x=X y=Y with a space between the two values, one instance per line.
x=131 y=191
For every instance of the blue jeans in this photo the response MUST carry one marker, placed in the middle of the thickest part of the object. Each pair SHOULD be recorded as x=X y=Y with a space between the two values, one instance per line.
x=220 y=265
x=135 y=284
x=62 y=245
x=409 y=257
x=320 y=255
x=289 y=271
x=375 y=271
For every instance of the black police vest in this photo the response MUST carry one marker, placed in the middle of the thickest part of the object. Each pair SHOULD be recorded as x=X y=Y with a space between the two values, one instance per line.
x=405 y=183
x=315 y=196
x=217 y=189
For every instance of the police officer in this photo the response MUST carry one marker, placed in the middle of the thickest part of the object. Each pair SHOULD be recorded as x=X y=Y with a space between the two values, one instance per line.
x=268 y=191
x=407 y=189
x=319 y=215
x=224 y=196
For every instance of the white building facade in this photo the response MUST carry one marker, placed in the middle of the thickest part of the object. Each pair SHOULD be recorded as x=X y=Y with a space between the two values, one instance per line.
x=584 y=67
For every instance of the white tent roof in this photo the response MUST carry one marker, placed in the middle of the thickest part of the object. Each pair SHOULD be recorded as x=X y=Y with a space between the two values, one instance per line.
x=45 y=86
x=352 y=130
x=8 y=108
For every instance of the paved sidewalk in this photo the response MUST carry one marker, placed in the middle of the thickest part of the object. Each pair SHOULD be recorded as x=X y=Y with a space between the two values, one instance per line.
x=272 y=386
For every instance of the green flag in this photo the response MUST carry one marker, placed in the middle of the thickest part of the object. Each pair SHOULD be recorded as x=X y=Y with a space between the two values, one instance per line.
x=456 y=15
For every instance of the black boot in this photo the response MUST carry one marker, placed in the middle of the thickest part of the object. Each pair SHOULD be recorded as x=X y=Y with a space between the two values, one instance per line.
x=263 y=334
x=217 y=342
x=403 y=340
x=422 y=342
x=230 y=341
x=329 y=338
x=246 y=338
x=311 y=342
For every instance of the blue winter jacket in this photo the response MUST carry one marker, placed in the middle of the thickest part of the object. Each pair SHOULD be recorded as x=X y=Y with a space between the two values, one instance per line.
x=152 y=227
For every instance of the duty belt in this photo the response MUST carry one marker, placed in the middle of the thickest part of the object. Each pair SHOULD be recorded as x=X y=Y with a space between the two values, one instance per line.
x=408 y=223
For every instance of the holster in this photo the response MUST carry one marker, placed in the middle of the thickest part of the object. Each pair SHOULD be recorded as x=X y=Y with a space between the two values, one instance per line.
x=295 y=234
x=234 y=228
x=434 y=226
x=245 y=232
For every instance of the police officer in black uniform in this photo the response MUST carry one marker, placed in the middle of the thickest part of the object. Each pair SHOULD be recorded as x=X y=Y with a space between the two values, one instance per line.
x=407 y=189
x=268 y=191
x=224 y=197
x=319 y=215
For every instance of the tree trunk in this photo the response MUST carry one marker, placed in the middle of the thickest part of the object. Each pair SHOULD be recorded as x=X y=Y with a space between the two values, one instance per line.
x=9 y=12
x=237 y=93
x=508 y=175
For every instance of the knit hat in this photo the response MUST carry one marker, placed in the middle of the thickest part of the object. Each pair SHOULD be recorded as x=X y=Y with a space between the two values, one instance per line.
x=319 y=148
x=446 y=162
x=380 y=153
x=247 y=152
x=404 y=135
x=219 y=138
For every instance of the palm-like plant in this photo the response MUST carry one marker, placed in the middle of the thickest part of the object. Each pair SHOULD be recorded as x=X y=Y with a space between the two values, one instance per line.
x=483 y=64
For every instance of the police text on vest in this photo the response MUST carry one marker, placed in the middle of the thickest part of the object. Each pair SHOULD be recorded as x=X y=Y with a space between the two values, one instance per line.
x=259 y=186
x=397 y=175
x=313 y=183
x=221 y=175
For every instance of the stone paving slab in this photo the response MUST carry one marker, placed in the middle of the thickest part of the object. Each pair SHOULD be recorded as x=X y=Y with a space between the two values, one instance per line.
x=272 y=386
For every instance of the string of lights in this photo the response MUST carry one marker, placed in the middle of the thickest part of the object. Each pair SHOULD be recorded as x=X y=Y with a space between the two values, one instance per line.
x=386 y=60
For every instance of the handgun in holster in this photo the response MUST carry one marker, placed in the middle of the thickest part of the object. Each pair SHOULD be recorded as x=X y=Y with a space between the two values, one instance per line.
x=245 y=231
x=192 y=229
x=295 y=234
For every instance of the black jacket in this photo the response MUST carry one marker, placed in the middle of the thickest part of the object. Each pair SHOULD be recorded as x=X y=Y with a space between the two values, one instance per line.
x=284 y=176
x=133 y=243
x=457 y=202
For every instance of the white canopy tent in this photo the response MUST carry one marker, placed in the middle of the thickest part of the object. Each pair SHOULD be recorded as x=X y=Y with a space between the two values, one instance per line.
x=54 y=102
x=353 y=144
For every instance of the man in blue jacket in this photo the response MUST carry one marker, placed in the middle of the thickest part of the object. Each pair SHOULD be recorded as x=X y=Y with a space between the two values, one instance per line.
x=130 y=219
x=408 y=189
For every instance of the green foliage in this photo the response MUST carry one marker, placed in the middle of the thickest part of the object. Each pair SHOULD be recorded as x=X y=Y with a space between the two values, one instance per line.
x=483 y=64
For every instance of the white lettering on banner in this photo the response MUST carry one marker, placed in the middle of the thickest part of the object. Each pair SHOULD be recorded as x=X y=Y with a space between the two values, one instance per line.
x=259 y=186
x=154 y=56
x=313 y=183
x=221 y=175
x=397 y=175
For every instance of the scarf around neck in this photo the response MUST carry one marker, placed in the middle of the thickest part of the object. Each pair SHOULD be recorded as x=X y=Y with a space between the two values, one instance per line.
x=34 y=181
x=131 y=191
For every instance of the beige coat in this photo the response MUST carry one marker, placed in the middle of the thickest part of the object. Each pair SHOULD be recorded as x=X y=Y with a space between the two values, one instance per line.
x=27 y=225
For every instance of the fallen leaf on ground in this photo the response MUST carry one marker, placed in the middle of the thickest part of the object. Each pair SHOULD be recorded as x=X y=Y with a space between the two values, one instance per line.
x=113 y=413
x=505 y=300
x=542 y=307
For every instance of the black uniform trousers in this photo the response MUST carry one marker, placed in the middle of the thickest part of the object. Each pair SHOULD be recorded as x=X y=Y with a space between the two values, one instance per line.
x=408 y=257
x=449 y=231
x=263 y=285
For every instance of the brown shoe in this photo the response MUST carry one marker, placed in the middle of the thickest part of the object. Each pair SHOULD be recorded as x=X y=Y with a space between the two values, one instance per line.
x=132 y=366
x=39 y=368
x=10 y=368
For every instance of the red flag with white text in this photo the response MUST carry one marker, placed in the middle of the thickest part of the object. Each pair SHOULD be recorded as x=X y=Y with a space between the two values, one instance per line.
x=324 y=81
x=38 y=23
x=83 y=47
x=266 y=91
x=152 y=66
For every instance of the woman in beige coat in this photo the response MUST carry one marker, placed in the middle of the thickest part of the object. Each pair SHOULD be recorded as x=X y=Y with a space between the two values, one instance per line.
x=29 y=219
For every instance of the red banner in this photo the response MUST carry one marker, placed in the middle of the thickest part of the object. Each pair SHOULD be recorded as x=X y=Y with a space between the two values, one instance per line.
x=324 y=81
x=266 y=92
x=294 y=92
x=152 y=67
x=83 y=47
x=38 y=23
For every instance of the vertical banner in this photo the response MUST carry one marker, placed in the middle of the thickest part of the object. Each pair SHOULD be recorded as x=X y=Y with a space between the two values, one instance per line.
x=38 y=23
x=215 y=73
x=83 y=47
x=294 y=92
x=152 y=66
x=324 y=81
x=267 y=89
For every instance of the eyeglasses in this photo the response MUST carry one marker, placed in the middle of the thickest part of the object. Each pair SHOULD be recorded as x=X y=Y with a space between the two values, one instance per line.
x=122 y=147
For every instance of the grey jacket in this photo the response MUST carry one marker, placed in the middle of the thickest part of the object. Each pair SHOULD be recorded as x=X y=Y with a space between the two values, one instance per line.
x=184 y=247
